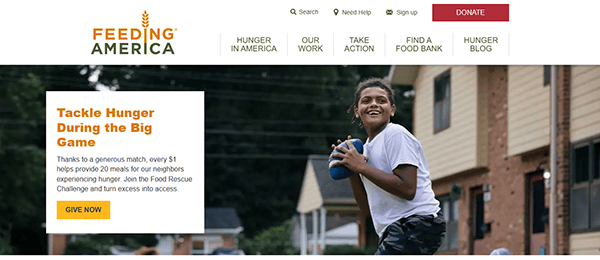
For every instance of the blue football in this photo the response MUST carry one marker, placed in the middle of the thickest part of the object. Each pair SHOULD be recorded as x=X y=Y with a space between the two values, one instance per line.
x=341 y=172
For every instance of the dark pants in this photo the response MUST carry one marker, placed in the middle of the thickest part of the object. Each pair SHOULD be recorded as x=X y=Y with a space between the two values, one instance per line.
x=414 y=235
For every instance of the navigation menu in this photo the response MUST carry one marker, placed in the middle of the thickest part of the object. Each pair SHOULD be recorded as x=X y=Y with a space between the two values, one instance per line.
x=348 y=45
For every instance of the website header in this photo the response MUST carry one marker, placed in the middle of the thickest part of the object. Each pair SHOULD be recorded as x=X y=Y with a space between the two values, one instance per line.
x=299 y=32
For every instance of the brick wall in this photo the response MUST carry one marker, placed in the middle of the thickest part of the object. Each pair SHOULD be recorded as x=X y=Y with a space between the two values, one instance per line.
x=506 y=210
x=466 y=180
x=507 y=176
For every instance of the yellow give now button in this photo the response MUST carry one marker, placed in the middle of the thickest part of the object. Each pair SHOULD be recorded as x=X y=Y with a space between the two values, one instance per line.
x=83 y=210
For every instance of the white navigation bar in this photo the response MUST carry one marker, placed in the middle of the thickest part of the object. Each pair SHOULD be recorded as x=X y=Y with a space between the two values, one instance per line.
x=299 y=32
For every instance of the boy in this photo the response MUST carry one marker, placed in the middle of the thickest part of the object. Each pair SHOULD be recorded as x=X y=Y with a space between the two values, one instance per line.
x=394 y=184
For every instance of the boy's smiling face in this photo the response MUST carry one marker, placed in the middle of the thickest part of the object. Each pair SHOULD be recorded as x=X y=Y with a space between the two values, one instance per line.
x=374 y=108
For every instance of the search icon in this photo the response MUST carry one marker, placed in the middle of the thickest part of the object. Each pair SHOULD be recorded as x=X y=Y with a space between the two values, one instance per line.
x=293 y=11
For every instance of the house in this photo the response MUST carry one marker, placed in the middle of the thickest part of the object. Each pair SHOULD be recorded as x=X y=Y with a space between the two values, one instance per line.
x=222 y=225
x=339 y=230
x=335 y=214
x=486 y=133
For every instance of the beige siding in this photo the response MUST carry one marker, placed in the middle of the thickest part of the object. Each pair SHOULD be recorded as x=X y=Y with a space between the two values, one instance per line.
x=585 y=244
x=455 y=148
x=482 y=115
x=585 y=102
x=528 y=109
x=310 y=194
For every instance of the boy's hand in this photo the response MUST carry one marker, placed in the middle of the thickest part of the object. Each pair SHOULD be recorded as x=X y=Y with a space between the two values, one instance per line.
x=350 y=158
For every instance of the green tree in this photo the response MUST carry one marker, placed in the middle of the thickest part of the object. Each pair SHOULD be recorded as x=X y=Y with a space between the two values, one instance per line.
x=22 y=155
x=22 y=179
x=5 y=247
x=273 y=241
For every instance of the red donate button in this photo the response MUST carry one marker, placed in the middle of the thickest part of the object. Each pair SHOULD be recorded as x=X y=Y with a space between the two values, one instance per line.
x=470 y=13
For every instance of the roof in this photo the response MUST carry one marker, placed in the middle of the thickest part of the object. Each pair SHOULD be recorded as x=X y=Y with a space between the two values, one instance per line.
x=221 y=218
x=319 y=188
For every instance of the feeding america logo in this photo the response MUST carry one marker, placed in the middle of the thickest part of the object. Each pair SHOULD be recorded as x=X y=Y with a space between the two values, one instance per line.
x=125 y=41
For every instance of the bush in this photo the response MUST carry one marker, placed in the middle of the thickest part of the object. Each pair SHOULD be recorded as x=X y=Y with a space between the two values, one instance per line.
x=273 y=241
x=86 y=246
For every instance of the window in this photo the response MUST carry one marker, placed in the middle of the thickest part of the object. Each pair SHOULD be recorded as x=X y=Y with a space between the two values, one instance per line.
x=441 y=102
x=537 y=215
x=585 y=186
x=596 y=161
x=540 y=212
x=450 y=210
x=198 y=247
x=546 y=75
x=479 y=226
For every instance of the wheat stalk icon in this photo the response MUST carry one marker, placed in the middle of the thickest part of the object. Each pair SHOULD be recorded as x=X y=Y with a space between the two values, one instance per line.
x=145 y=19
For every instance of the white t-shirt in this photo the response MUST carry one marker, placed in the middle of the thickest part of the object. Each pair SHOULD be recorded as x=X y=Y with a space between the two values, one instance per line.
x=389 y=149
